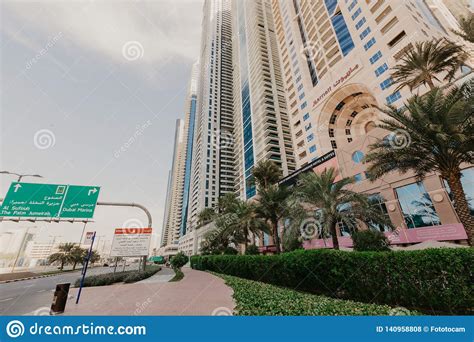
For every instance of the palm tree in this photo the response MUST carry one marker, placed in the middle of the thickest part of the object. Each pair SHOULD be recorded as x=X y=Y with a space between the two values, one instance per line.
x=421 y=64
x=77 y=256
x=272 y=206
x=266 y=173
x=435 y=133
x=205 y=216
x=467 y=28
x=336 y=203
x=64 y=255
x=247 y=221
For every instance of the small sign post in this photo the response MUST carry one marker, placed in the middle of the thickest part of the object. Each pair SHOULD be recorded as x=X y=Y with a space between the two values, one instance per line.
x=85 y=268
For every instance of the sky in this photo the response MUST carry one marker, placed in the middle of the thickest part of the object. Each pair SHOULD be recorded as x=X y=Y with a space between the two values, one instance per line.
x=89 y=95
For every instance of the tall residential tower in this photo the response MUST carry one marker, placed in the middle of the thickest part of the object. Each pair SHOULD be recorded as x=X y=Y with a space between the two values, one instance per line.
x=213 y=157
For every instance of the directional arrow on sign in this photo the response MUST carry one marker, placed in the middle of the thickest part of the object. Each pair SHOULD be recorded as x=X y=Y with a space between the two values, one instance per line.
x=94 y=190
x=17 y=186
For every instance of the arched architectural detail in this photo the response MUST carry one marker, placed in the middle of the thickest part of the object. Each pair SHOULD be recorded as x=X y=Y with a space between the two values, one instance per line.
x=344 y=117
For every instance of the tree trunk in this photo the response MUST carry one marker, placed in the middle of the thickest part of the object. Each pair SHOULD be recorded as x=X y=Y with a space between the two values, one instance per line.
x=430 y=83
x=74 y=265
x=335 y=241
x=461 y=206
x=276 y=237
x=62 y=265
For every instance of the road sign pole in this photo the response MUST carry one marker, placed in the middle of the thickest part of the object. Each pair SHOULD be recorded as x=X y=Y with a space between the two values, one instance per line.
x=85 y=269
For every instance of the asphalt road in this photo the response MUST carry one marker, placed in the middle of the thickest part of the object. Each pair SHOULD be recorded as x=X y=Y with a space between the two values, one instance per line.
x=34 y=297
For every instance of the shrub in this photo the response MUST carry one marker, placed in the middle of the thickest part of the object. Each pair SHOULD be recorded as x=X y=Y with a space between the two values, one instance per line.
x=179 y=260
x=435 y=280
x=248 y=295
x=119 y=277
x=230 y=251
x=178 y=275
x=252 y=250
x=370 y=240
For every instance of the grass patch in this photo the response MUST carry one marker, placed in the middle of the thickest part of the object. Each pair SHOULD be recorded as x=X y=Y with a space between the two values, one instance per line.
x=178 y=274
x=118 y=277
x=255 y=298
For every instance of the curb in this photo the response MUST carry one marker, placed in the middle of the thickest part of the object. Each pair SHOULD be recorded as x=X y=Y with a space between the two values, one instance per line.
x=20 y=279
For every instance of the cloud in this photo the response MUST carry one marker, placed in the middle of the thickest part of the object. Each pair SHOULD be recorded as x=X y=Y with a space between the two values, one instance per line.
x=163 y=29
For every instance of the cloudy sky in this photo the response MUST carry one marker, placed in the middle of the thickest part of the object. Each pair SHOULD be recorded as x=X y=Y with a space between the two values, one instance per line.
x=79 y=80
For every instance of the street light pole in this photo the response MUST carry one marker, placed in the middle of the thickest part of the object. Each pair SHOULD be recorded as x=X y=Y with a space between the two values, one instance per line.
x=20 y=176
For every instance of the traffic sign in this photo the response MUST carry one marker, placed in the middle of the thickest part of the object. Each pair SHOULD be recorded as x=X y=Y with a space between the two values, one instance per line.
x=35 y=200
x=130 y=242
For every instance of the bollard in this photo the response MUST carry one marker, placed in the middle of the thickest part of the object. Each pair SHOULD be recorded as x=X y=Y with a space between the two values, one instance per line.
x=60 y=298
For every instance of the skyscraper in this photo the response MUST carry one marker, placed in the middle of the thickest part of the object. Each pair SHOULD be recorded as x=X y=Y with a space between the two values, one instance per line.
x=172 y=223
x=213 y=157
x=261 y=124
x=190 y=118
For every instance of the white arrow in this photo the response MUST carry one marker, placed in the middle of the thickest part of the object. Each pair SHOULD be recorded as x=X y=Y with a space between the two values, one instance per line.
x=94 y=190
x=16 y=186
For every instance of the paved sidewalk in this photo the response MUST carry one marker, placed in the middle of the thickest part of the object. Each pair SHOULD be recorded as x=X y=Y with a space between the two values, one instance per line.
x=198 y=293
x=163 y=276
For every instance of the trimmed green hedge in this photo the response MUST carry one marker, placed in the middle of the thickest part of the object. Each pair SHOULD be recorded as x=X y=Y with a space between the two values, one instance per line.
x=432 y=280
x=118 y=277
x=254 y=298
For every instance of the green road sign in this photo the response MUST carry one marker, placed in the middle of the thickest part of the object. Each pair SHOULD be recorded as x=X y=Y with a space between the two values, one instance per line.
x=35 y=200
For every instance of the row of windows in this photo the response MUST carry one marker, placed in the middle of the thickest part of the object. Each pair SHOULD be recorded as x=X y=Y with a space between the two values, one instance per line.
x=375 y=57
x=386 y=84
x=369 y=44
x=381 y=69
x=365 y=33
x=356 y=13
x=394 y=97
x=360 y=23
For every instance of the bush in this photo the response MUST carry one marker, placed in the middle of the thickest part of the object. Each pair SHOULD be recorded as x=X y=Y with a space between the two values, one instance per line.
x=252 y=250
x=179 y=260
x=118 y=277
x=230 y=251
x=178 y=275
x=434 y=280
x=248 y=295
x=370 y=240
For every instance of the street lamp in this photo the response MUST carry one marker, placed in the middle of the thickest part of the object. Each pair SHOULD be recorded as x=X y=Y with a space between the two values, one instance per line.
x=20 y=176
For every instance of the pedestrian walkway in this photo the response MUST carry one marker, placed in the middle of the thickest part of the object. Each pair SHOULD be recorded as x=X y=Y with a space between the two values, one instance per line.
x=198 y=293
x=163 y=276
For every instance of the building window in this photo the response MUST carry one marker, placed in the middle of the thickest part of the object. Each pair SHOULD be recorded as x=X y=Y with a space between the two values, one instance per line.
x=394 y=97
x=310 y=137
x=357 y=157
x=417 y=208
x=312 y=149
x=369 y=44
x=303 y=105
x=375 y=57
x=364 y=33
x=386 y=84
x=378 y=202
x=352 y=5
x=342 y=33
x=360 y=23
x=356 y=13
x=301 y=96
x=467 y=181
x=307 y=127
x=358 y=178
x=306 y=116
x=381 y=69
